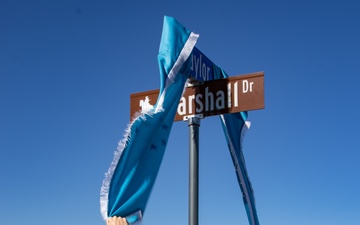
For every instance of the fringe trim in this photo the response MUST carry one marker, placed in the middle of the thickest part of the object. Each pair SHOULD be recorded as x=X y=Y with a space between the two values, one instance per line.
x=244 y=129
x=104 y=191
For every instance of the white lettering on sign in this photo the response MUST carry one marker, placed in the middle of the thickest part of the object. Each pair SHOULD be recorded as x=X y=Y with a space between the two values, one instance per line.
x=236 y=94
x=220 y=100
x=247 y=86
x=202 y=71
x=199 y=103
x=229 y=94
x=210 y=101
x=191 y=98
x=208 y=98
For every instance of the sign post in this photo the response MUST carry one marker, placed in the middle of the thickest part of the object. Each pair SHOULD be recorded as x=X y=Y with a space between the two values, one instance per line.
x=194 y=124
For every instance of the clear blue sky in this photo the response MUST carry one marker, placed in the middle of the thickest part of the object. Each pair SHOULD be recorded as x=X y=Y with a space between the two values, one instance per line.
x=67 y=69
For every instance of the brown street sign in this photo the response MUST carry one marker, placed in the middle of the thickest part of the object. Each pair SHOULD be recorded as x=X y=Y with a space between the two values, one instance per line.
x=230 y=95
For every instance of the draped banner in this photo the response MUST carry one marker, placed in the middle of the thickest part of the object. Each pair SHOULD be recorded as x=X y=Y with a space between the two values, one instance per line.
x=132 y=173
x=235 y=126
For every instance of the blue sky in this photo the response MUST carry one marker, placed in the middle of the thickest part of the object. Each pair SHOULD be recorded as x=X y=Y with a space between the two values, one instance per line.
x=67 y=69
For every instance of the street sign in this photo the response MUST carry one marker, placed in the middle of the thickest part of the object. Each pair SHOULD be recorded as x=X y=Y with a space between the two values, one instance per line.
x=201 y=66
x=230 y=95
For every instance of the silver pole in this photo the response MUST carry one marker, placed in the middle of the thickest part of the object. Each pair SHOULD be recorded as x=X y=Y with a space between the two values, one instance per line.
x=194 y=124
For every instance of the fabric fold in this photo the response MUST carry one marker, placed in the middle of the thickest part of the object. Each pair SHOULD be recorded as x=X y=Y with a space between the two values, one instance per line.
x=132 y=173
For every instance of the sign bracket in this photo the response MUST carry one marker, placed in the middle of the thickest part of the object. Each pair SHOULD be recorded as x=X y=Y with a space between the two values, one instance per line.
x=199 y=116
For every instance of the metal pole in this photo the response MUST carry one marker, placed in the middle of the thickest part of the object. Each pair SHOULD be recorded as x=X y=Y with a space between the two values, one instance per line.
x=194 y=124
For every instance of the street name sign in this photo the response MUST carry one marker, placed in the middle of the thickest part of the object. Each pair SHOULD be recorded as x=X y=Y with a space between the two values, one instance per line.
x=201 y=66
x=214 y=97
